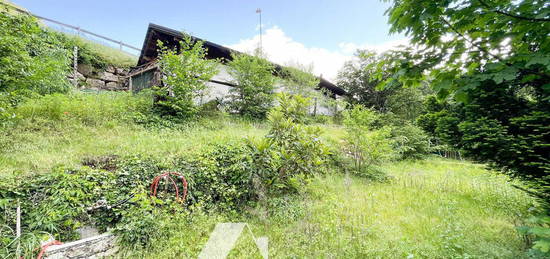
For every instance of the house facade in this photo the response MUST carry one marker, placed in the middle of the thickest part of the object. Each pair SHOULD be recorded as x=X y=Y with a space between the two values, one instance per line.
x=147 y=74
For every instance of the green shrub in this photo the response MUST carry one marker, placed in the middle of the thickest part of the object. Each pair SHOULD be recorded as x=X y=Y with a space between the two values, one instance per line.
x=540 y=230
x=294 y=107
x=292 y=152
x=501 y=126
x=219 y=176
x=366 y=146
x=186 y=71
x=253 y=94
x=32 y=60
x=142 y=223
x=410 y=142
x=51 y=204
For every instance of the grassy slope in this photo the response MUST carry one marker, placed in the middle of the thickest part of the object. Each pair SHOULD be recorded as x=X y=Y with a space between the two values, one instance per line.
x=431 y=209
x=111 y=55
x=58 y=130
x=435 y=208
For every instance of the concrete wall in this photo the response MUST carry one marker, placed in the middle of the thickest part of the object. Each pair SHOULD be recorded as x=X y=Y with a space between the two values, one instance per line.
x=93 y=247
x=221 y=92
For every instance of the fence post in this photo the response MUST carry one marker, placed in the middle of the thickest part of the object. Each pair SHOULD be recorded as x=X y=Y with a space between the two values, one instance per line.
x=130 y=84
x=18 y=229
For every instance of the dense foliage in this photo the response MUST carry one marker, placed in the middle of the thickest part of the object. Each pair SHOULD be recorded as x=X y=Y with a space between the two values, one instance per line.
x=292 y=152
x=252 y=96
x=401 y=103
x=113 y=192
x=492 y=59
x=497 y=119
x=356 y=78
x=32 y=60
x=185 y=74
x=366 y=145
x=36 y=60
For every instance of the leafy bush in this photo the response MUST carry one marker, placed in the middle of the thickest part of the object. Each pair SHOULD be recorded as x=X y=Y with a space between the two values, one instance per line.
x=219 y=176
x=540 y=229
x=141 y=224
x=294 y=107
x=186 y=72
x=410 y=142
x=253 y=94
x=31 y=59
x=52 y=203
x=511 y=134
x=291 y=152
x=366 y=146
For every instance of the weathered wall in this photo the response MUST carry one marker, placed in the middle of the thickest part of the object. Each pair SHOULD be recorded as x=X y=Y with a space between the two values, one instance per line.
x=221 y=92
x=93 y=247
x=111 y=78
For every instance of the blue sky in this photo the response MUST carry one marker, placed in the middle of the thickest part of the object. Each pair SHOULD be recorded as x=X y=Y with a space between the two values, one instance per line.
x=318 y=25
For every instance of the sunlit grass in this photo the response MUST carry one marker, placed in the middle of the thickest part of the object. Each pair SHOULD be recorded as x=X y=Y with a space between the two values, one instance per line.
x=112 y=56
x=64 y=129
x=431 y=209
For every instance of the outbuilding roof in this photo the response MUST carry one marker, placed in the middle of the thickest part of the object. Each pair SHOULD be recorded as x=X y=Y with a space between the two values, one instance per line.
x=171 y=37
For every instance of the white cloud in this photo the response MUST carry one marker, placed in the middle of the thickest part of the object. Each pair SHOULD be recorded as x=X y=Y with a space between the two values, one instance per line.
x=283 y=50
x=350 y=47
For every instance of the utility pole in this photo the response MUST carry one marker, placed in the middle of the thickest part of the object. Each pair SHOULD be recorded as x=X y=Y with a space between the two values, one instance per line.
x=259 y=11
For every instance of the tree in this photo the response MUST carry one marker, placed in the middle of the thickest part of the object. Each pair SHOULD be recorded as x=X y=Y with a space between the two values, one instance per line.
x=252 y=95
x=460 y=43
x=492 y=59
x=356 y=78
x=185 y=73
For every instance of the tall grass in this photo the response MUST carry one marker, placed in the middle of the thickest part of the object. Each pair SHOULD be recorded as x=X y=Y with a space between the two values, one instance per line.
x=62 y=129
x=88 y=109
x=431 y=209
x=111 y=55
x=434 y=208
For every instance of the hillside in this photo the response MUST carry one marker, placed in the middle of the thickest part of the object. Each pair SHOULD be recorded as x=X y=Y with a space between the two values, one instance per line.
x=433 y=207
x=160 y=170
x=112 y=56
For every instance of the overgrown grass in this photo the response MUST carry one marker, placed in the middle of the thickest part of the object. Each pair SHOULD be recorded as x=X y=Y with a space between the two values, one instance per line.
x=434 y=208
x=431 y=209
x=112 y=56
x=62 y=129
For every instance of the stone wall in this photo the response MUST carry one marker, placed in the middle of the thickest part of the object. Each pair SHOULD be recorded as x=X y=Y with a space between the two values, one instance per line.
x=93 y=247
x=111 y=78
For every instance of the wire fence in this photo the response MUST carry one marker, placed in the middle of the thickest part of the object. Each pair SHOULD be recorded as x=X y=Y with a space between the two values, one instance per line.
x=78 y=31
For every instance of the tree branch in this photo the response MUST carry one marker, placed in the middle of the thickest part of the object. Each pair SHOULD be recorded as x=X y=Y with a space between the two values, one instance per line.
x=481 y=48
x=513 y=15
